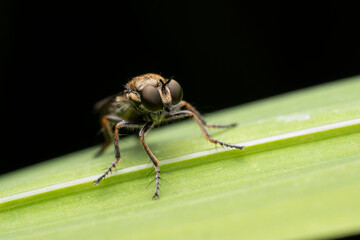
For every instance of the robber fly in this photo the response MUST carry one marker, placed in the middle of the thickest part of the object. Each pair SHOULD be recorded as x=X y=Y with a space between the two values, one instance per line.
x=148 y=100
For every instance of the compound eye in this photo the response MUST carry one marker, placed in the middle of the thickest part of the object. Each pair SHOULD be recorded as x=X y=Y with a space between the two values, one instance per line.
x=151 y=99
x=176 y=91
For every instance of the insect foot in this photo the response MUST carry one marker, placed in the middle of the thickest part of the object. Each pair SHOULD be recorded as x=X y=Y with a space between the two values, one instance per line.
x=224 y=144
x=97 y=181
x=156 y=195
x=157 y=187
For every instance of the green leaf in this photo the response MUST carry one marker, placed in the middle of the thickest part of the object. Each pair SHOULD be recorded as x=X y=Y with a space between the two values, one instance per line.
x=297 y=178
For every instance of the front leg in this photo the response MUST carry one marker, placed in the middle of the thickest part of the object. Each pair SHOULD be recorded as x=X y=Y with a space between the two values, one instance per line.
x=185 y=113
x=119 y=125
x=142 y=134
x=192 y=109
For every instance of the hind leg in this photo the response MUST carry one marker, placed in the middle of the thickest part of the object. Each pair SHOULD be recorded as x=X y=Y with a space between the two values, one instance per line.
x=192 y=109
x=185 y=113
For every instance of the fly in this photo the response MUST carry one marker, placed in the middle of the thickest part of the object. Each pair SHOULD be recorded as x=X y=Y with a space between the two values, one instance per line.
x=148 y=100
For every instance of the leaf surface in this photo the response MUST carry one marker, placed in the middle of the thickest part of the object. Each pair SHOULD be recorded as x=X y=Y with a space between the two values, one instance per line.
x=292 y=186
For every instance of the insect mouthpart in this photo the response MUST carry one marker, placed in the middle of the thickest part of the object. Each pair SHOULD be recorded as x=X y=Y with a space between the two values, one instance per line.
x=168 y=107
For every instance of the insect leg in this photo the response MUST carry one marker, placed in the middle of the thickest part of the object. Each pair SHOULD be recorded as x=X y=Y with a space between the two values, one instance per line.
x=119 y=125
x=142 y=134
x=185 y=113
x=106 y=127
x=191 y=108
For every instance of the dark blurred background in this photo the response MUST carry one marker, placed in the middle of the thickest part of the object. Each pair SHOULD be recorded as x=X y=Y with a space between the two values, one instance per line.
x=58 y=58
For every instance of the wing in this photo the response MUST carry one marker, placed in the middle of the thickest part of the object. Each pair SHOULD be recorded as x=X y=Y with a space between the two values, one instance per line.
x=103 y=106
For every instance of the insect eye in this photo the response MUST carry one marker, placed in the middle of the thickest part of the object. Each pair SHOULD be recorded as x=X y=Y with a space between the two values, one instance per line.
x=176 y=91
x=151 y=99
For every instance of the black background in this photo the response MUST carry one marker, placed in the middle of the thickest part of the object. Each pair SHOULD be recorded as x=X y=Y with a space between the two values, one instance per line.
x=58 y=58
